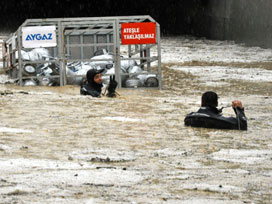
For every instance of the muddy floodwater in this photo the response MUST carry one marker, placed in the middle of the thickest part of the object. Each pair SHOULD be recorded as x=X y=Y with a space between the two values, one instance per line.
x=59 y=147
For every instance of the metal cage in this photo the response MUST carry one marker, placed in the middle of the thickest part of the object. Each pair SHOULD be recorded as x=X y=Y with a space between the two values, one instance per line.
x=78 y=41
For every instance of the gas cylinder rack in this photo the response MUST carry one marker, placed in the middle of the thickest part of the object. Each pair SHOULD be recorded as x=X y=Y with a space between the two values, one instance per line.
x=59 y=50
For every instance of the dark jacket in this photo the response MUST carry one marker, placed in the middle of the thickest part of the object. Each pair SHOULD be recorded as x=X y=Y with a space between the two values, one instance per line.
x=210 y=117
x=91 y=88
x=88 y=89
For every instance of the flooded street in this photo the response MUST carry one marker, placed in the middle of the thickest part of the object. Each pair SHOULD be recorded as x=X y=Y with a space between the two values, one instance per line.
x=57 y=146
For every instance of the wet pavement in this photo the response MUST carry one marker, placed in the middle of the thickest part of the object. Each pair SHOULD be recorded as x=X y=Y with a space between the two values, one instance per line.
x=59 y=147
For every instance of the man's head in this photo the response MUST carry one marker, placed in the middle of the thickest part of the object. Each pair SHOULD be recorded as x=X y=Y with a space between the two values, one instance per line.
x=209 y=98
x=94 y=76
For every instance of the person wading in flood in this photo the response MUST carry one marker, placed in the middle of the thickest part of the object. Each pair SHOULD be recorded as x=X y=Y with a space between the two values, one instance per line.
x=94 y=84
x=208 y=116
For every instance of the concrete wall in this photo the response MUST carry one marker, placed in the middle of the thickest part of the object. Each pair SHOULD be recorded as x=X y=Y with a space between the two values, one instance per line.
x=248 y=21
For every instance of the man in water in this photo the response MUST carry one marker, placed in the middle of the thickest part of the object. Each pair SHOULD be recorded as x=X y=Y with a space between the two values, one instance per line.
x=95 y=83
x=208 y=116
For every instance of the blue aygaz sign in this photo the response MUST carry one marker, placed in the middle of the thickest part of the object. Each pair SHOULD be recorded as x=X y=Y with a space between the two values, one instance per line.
x=39 y=36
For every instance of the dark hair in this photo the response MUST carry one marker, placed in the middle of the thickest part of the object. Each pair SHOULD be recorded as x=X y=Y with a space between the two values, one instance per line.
x=209 y=98
x=91 y=74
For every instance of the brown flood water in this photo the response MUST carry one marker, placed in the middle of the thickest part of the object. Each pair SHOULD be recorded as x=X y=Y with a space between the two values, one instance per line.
x=59 y=147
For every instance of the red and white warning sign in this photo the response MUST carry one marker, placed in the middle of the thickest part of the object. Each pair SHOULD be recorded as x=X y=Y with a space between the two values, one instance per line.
x=138 y=33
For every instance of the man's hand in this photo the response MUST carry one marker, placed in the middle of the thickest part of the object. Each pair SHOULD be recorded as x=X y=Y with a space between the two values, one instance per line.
x=112 y=86
x=237 y=104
